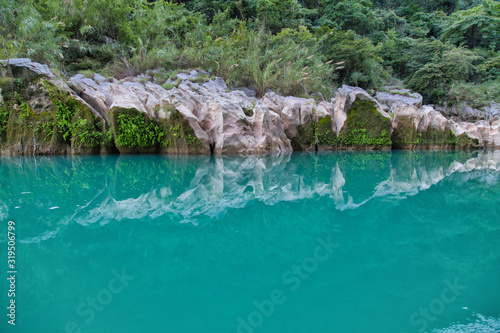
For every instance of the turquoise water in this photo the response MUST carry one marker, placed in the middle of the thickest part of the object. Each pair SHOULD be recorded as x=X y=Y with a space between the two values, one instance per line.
x=337 y=242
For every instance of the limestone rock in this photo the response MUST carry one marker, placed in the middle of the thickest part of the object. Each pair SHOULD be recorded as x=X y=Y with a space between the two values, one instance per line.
x=427 y=128
x=399 y=95
x=199 y=116
x=359 y=120
x=35 y=127
x=195 y=117
x=489 y=133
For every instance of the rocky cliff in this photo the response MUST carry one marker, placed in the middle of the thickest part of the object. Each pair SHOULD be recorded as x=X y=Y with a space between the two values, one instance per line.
x=42 y=114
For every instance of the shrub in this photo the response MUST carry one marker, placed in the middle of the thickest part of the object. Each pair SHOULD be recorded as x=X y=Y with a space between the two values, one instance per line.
x=434 y=79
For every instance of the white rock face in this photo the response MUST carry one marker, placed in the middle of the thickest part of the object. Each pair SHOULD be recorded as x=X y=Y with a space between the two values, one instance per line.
x=33 y=67
x=426 y=118
x=225 y=122
x=231 y=122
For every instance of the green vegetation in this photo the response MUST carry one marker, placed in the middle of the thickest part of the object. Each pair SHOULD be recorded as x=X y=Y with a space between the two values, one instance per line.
x=177 y=133
x=134 y=129
x=291 y=46
x=64 y=116
x=365 y=126
x=407 y=136
x=476 y=95
x=4 y=118
x=86 y=133
x=73 y=121
x=63 y=123
x=324 y=133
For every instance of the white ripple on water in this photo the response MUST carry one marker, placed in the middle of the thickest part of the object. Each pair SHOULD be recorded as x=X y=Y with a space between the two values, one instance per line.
x=481 y=325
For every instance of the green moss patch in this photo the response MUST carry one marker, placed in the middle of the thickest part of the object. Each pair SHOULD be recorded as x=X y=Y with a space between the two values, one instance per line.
x=306 y=137
x=405 y=134
x=446 y=138
x=324 y=132
x=177 y=132
x=365 y=126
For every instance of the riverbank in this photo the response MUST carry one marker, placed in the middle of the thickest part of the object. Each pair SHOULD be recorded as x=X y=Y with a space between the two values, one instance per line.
x=43 y=114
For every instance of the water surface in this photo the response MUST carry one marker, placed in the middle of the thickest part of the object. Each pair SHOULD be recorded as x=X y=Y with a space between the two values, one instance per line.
x=333 y=242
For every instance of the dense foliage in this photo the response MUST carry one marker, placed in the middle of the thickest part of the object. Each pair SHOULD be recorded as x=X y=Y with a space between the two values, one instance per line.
x=437 y=47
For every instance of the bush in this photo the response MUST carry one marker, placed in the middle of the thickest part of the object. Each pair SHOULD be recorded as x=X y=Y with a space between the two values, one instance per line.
x=478 y=26
x=475 y=95
x=434 y=79
x=288 y=62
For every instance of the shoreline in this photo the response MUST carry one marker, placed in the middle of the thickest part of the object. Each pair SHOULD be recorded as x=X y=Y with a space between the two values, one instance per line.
x=42 y=114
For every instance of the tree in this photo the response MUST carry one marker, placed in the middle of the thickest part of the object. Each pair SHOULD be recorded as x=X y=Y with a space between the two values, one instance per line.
x=477 y=26
x=356 y=15
x=361 y=64
x=435 y=78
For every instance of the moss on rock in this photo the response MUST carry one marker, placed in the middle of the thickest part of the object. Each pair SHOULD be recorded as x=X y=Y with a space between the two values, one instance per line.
x=365 y=127
x=305 y=138
x=22 y=125
x=38 y=117
x=326 y=138
x=405 y=136
x=179 y=136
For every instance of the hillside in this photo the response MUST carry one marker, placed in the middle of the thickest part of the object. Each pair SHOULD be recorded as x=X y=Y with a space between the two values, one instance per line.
x=448 y=51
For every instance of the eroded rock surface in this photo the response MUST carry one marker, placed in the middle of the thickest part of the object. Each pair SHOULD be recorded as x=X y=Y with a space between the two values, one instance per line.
x=198 y=115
